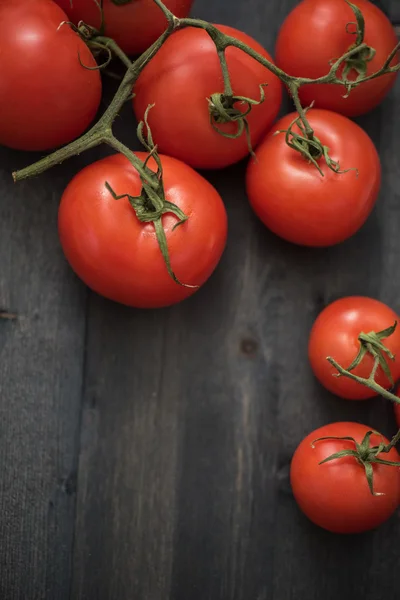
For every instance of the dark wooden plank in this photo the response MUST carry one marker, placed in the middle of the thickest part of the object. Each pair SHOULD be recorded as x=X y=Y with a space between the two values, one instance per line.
x=166 y=418
x=41 y=356
x=191 y=414
x=313 y=556
x=130 y=440
x=393 y=10
x=363 y=265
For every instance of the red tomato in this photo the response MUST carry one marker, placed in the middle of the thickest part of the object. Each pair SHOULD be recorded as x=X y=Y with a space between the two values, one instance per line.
x=314 y=34
x=187 y=65
x=336 y=495
x=47 y=97
x=117 y=255
x=134 y=26
x=291 y=197
x=335 y=333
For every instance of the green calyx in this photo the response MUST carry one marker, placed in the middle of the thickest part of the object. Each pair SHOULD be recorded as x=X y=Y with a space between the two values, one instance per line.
x=222 y=109
x=151 y=204
x=309 y=146
x=149 y=207
x=97 y=43
x=365 y=454
x=358 y=63
x=372 y=343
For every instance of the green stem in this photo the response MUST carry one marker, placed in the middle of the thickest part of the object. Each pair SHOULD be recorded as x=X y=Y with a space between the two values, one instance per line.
x=125 y=88
x=225 y=73
x=115 y=49
x=394 y=441
x=172 y=20
x=372 y=343
x=112 y=141
x=294 y=91
x=226 y=40
x=91 y=139
x=223 y=41
x=101 y=131
x=370 y=382
x=386 y=68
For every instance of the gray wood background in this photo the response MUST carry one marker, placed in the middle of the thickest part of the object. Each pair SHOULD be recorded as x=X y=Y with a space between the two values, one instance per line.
x=145 y=455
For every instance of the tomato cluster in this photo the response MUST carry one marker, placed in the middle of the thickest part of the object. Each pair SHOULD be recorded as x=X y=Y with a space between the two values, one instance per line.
x=335 y=495
x=147 y=230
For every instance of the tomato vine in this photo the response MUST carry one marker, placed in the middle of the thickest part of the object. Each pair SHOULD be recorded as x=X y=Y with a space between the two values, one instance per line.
x=226 y=107
x=222 y=105
x=371 y=343
x=355 y=58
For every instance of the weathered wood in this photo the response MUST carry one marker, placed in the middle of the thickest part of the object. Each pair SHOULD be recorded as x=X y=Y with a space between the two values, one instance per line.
x=191 y=414
x=41 y=354
x=184 y=419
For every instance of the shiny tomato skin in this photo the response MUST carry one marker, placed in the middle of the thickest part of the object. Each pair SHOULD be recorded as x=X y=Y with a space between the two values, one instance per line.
x=335 y=333
x=291 y=197
x=47 y=97
x=118 y=256
x=180 y=78
x=336 y=495
x=134 y=26
x=314 y=34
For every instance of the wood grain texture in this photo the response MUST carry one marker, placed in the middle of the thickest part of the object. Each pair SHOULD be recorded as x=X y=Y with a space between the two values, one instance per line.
x=212 y=398
x=41 y=352
x=145 y=454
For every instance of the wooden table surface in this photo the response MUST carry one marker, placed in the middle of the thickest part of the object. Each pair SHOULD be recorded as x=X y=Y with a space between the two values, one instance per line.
x=145 y=455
